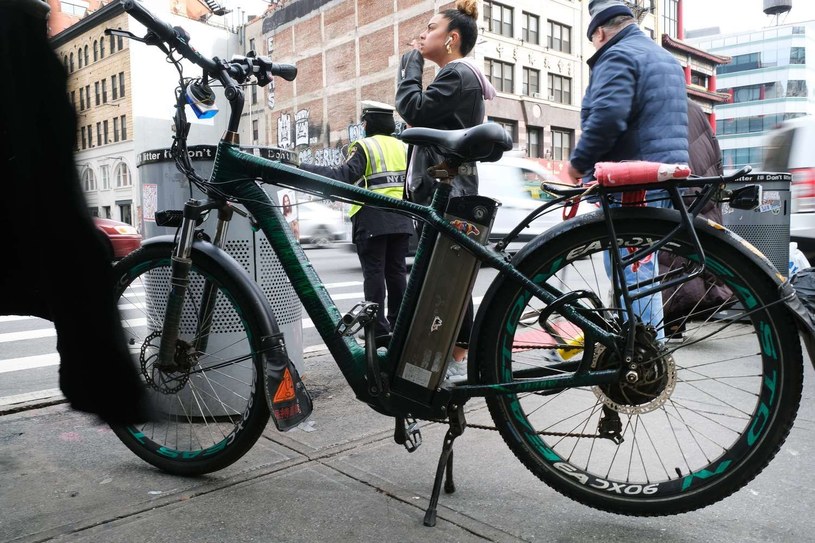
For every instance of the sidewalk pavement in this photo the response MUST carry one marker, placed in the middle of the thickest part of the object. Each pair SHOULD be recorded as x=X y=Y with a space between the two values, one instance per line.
x=343 y=479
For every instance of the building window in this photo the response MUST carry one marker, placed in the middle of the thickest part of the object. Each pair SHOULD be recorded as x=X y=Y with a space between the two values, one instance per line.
x=65 y=62
x=84 y=139
x=252 y=44
x=114 y=89
x=71 y=62
x=699 y=79
x=534 y=139
x=90 y=136
x=86 y=55
x=105 y=175
x=81 y=99
x=122 y=84
x=115 y=129
x=104 y=91
x=123 y=175
x=112 y=44
x=99 y=139
x=737 y=158
x=498 y=18
x=560 y=89
x=529 y=30
x=74 y=9
x=102 y=48
x=560 y=37
x=125 y=212
x=509 y=125
x=79 y=58
x=500 y=74
x=531 y=85
x=95 y=51
x=254 y=93
x=120 y=42
x=798 y=55
x=670 y=18
x=797 y=88
x=105 y=130
x=255 y=132
x=88 y=180
x=106 y=212
x=87 y=96
x=561 y=143
x=741 y=63
x=124 y=126
x=96 y=89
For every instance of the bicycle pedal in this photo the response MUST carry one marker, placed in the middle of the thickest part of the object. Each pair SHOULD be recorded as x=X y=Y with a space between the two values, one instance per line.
x=407 y=433
x=359 y=315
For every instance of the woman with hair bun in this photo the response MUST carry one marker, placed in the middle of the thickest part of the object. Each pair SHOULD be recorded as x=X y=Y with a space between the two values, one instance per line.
x=453 y=100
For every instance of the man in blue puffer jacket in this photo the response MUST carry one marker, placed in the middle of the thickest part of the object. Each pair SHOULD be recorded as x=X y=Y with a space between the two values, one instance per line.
x=635 y=108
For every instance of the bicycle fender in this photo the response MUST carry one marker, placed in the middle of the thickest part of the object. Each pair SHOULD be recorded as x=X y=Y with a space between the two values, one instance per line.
x=804 y=321
x=286 y=395
x=228 y=263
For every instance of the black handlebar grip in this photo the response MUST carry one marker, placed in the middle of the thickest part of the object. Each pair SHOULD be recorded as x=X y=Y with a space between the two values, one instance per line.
x=286 y=71
x=160 y=28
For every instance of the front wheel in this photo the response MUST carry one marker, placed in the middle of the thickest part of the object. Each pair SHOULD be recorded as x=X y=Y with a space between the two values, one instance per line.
x=210 y=404
x=706 y=405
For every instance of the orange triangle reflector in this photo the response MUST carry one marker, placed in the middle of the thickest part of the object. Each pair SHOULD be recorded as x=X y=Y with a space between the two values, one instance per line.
x=285 y=390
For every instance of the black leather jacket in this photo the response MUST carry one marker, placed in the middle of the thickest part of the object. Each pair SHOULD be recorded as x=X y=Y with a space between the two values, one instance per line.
x=452 y=101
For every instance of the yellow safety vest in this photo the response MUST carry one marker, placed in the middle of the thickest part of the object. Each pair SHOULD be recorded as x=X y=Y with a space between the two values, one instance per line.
x=387 y=163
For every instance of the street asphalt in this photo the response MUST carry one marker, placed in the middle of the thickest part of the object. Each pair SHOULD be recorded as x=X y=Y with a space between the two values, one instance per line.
x=341 y=478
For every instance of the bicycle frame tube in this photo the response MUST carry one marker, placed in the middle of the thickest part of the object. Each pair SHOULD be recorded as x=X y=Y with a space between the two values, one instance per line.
x=235 y=173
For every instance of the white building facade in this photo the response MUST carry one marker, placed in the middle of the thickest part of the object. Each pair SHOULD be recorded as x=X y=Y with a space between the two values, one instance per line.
x=769 y=80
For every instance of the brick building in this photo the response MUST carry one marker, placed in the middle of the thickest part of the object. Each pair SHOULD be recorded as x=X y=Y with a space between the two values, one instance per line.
x=347 y=51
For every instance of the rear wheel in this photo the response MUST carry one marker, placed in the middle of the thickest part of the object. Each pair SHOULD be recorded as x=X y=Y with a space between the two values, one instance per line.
x=702 y=414
x=211 y=405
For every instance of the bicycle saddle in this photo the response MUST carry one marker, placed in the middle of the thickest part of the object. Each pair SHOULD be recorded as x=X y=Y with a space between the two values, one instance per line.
x=485 y=142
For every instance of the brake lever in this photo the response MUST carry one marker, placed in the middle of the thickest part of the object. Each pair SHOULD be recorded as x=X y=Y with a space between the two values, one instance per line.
x=126 y=34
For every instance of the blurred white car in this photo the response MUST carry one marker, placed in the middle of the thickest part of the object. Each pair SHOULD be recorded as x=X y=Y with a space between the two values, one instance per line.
x=790 y=149
x=321 y=225
x=515 y=182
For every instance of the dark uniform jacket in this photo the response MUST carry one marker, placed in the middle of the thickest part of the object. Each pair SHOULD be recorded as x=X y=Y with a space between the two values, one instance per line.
x=369 y=221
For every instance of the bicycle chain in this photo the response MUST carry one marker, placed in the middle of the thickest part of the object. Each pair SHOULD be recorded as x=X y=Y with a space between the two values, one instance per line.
x=541 y=433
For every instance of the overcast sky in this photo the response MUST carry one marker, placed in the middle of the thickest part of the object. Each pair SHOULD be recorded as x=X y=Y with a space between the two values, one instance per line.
x=739 y=15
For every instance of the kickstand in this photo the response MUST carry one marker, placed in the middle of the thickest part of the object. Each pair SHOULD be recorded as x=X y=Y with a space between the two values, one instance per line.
x=457 y=426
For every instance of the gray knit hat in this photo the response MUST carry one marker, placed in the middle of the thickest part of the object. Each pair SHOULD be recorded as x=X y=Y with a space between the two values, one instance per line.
x=602 y=11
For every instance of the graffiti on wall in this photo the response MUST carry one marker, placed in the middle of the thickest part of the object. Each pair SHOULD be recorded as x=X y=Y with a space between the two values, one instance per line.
x=284 y=131
x=301 y=132
x=356 y=132
x=327 y=156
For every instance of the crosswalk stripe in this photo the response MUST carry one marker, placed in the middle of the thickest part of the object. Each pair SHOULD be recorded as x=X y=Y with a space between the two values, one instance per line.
x=29 y=362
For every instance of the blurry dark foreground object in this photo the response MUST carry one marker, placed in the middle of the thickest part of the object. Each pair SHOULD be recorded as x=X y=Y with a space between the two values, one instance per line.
x=70 y=282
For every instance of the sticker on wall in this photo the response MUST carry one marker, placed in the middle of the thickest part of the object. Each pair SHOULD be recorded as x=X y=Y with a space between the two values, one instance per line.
x=287 y=199
x=149 y=198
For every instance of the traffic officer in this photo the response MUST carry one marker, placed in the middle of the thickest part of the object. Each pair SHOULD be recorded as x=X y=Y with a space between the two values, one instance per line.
x=377 y=162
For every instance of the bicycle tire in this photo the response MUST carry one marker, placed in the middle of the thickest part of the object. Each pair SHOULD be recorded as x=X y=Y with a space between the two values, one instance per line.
x=709 y=431
x=210 y=414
